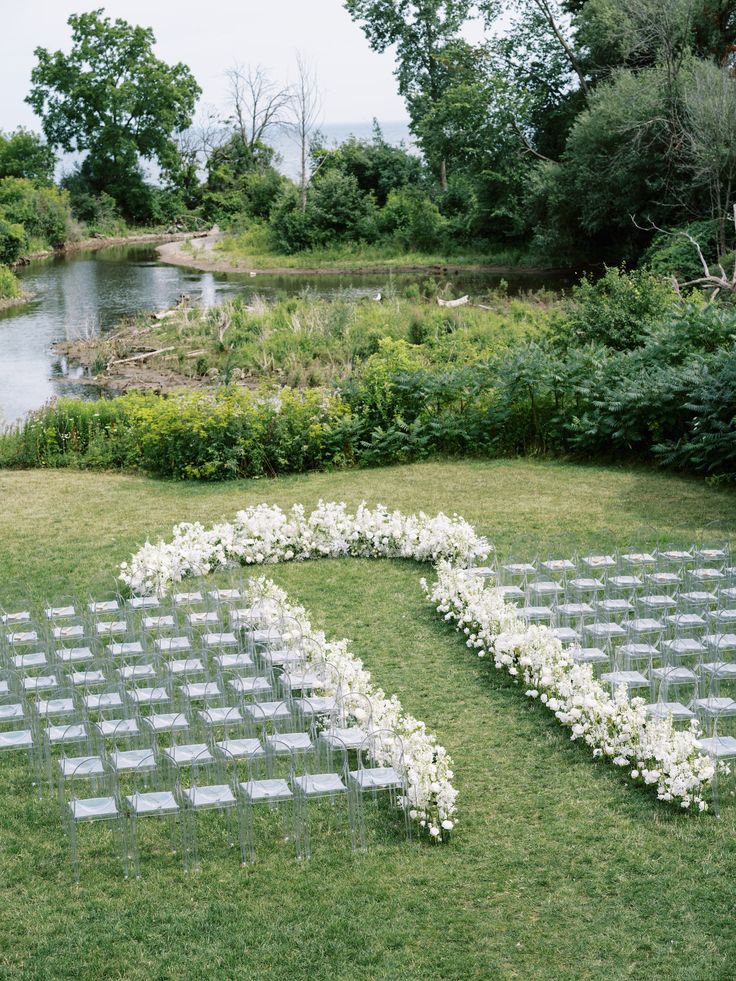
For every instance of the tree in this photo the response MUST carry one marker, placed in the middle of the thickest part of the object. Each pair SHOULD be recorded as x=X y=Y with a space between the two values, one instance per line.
x=305 y=111
x=113 y=99
x=257 y=102
x=422 y=31
x=25 y=154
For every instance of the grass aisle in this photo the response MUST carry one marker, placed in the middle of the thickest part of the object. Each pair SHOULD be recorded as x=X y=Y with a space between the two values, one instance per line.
x=559 y=869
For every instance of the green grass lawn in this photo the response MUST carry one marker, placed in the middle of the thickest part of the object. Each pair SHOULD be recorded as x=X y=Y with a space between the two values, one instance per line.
x=559 y=869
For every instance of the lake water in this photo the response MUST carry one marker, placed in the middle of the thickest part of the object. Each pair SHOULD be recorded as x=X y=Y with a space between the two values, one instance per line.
x=85 y=293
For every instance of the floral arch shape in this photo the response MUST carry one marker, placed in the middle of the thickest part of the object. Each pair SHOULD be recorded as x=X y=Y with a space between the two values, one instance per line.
x=610 y=725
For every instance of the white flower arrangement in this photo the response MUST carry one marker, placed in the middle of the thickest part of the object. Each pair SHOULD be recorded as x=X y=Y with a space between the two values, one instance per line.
x=426 y=765
x=611 y=725
x=265 y=535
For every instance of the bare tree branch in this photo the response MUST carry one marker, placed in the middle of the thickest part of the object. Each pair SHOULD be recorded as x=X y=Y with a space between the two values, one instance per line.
x=306 y=109
x=545 y=9
x=258 y=103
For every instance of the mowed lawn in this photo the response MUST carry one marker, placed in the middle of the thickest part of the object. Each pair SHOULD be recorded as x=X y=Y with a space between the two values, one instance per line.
x=559 y=868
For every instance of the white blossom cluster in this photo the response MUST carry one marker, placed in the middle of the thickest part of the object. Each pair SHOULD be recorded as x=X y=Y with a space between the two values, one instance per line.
x=426 y=765
x=265 y=535
x=611 y=725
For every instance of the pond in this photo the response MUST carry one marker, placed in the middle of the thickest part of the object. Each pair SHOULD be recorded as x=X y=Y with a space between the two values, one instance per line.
x=83 y=293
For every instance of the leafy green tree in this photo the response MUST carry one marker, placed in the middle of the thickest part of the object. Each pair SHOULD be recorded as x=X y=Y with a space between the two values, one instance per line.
x=423 y=32
x=113 y=99
x=25 y=154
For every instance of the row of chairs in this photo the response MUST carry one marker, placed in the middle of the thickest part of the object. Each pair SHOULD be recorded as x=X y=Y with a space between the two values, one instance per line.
x=172 y=724
x=659 y=623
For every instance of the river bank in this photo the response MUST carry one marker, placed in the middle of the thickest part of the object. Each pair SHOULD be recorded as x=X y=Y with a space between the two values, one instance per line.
x=10 y=302
x=204 y=255
x=108 y=241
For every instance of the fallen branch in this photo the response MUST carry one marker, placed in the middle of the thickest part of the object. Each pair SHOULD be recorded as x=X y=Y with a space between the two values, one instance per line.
x=140 y=357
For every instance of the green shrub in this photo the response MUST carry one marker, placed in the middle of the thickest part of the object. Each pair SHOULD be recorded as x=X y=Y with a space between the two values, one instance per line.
x=43 y=212
x=412 y=220
x=9 y=286
x=619 y=308
x=13 y=241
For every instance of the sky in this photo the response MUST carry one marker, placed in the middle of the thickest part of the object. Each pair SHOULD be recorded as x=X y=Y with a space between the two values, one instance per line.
x=356 y=83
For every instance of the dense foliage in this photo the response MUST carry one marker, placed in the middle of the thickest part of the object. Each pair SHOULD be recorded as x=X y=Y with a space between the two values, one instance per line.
x=626 y=371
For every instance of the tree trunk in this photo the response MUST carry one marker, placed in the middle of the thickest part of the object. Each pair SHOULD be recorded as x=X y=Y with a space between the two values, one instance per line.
x=443 y=174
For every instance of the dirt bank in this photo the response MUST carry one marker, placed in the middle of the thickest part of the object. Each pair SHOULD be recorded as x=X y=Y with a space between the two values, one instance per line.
x=15 y=301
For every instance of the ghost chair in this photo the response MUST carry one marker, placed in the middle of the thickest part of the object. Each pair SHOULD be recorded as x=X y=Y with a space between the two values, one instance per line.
x=149 y=796
x=210 y=790
x=101 y=806
x=262 y=790
x=381 y=772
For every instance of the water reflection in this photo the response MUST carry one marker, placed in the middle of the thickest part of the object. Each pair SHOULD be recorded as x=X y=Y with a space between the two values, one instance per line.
x=82 y=294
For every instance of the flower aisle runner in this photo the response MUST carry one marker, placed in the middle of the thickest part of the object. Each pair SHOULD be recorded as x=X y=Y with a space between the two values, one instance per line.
x=610 y=725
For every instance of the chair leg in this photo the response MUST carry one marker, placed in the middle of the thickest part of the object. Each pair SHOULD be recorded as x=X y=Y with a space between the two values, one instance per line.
x=73 y=849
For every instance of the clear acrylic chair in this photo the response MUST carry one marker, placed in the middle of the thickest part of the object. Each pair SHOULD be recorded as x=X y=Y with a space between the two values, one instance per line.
x=104 y=807
x=312 y=787
x=380 y=771
x=722 y=751
x=154 y=796
x=210 y=791
x=264 y=791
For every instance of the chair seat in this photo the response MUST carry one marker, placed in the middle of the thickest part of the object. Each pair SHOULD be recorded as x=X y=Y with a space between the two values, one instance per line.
x=319 y=784
x=260 y=790
x=632 y=679
x=205 y=617
x=65 y=633
x=105 y=699
x=64 y=734
x=351 y=738
x=111 y=628
x=720 y=669
x=715 y=706
x=94 y=807
x=55 y=706
x=81 y=766
x=16 y=739
x=201 y=689
x=376 y=778
x=589 y=655
x=225 y=639
x=153 y=802
x=674 y=675
x=605 y=630
x=283 y=657
x=173 y=644
x=267 y=711
x=24 y=661
x=133 y=759
x=189 y=665
x=143 y=602
x=131 y=672
x=85 y=679
x=220 y=715
x=59 y=612
x=219 y=795
x=103 y=606
x=664 y=710
x=250 y=686
x=117 y=727
x=187 y=754
x=124 y=649
x=146 y=696
x=720 y=747
x=194 y=596
x=241 y=660
x=289 y=742
x=167 y=722
x=301 y=680
x=314 y=705
x=8 y=712
x=240 y=749
x=41 y=682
